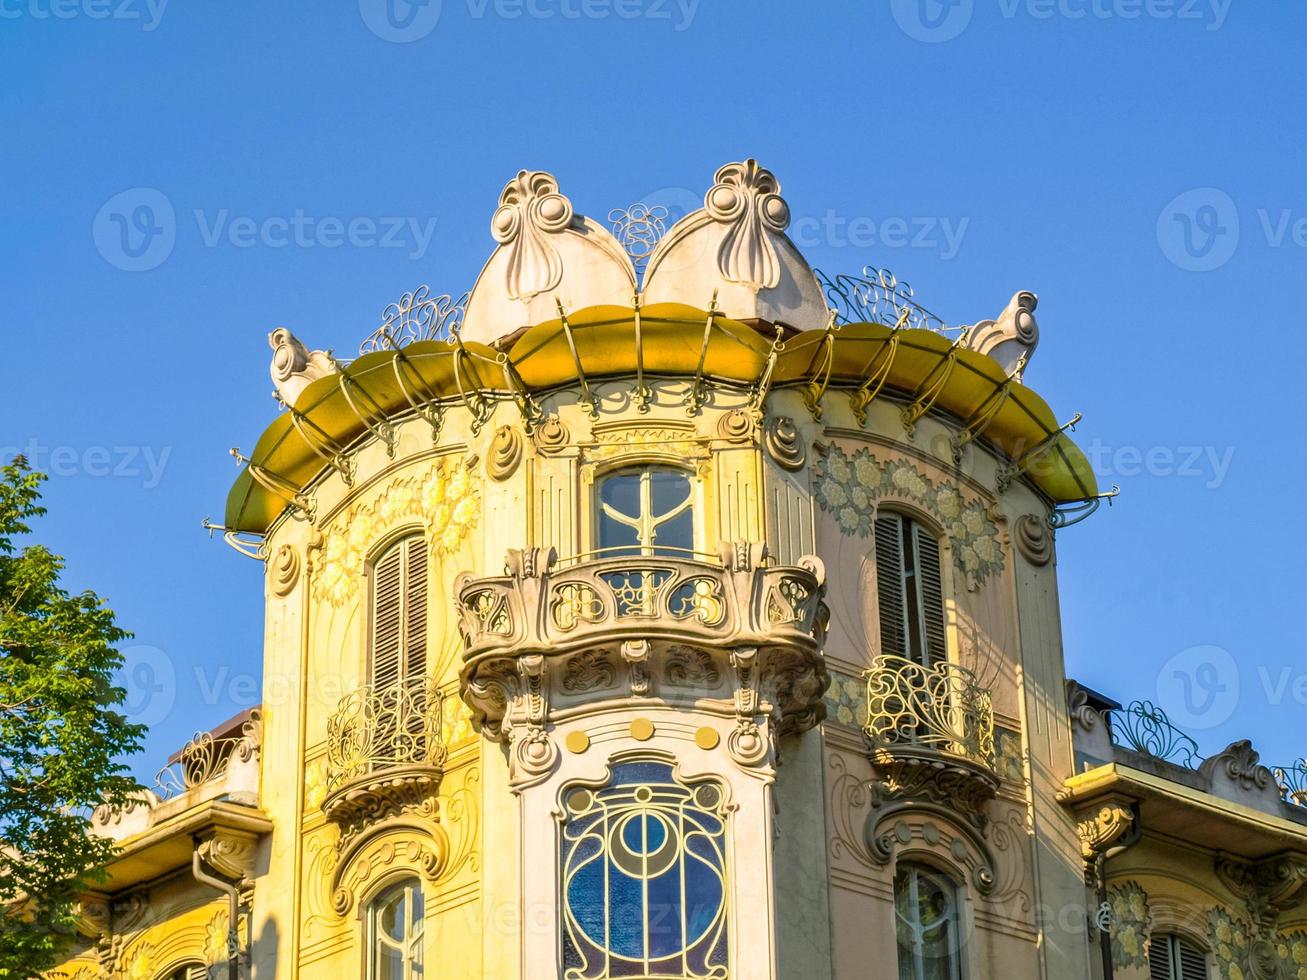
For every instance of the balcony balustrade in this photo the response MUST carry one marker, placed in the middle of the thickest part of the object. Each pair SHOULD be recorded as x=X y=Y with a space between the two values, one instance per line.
x=678 y=626
x=384 y=750
x=931 y=731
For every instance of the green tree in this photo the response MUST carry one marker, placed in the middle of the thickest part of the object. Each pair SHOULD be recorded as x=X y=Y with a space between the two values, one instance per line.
x=61 y=736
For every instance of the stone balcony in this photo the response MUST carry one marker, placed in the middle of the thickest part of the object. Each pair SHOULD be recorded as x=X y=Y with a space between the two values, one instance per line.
x=931 y=733
x=734 y=635
x=385 y=752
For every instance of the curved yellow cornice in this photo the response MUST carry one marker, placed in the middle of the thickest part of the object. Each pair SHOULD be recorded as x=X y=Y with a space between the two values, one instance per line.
x=664 y=340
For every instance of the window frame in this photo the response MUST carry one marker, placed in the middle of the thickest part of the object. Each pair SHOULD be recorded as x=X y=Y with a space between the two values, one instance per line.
x=915 y=869
x=374 y=906
x=644 y=466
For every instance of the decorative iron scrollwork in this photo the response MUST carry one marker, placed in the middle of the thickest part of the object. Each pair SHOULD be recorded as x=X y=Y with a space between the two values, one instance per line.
x=416 y=316
x=877 y=296
x=943 y=707
x=1145 y=728
x=205 y=758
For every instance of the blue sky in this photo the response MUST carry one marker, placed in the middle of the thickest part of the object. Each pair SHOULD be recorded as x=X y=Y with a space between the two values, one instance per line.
x=1137 y=163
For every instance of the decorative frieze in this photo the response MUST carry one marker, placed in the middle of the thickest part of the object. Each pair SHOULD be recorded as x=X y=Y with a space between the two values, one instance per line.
x=851 y=487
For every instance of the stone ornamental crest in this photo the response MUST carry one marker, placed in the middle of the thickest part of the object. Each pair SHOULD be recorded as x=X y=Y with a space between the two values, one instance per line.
x=531 y=210
x=747 y=198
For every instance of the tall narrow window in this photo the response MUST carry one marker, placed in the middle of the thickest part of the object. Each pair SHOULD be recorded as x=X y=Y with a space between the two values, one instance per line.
x=1173 y=958
x=644 y=877
x=395 y=934
x=925 y=913
x=910 y=590
x=399 y=613
x=646 y=511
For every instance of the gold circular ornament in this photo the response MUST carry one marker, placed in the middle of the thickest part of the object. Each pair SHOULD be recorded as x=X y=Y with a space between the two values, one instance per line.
x=707 y=738
x=577 y=742
x=642 y=729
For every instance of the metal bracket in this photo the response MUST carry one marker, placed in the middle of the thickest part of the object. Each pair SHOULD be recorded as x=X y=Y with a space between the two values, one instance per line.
x=475 y=400
x=930 y=389
x=758 y=393
x=530 y=410
x=861 y=399
x=1009 y=472
x=694 y=397
x=587 y=399
x=330 y=451
x=642 y=392
x=812 y=390
x=423 y=400
x=383 y=430
x=278 y=485
x=254 y=546
x=1072 y=514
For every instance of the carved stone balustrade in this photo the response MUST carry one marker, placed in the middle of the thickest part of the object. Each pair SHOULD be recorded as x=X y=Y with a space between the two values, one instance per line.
x=736 y=637
x=385 y=752
x=931 y=733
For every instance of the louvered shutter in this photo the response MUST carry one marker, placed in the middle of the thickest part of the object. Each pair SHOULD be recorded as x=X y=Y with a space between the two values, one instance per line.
x=1193 y=962
x=387 y=616
x=890 y=591
x=1159 y=959
x=1171 y=958
x=930 y=595
x=415 y=609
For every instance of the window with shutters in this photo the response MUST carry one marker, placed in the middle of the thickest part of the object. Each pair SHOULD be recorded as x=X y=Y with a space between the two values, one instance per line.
x=646 y=510
x=1173 y=958
x=926 y=924
x=910 y=590
x=399 y=613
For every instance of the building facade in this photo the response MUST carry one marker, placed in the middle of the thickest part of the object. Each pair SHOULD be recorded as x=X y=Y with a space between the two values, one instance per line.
x=669 y=609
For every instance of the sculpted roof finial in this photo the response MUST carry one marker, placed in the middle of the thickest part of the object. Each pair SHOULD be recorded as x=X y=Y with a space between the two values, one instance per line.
x=530 y=211
x=747 y=199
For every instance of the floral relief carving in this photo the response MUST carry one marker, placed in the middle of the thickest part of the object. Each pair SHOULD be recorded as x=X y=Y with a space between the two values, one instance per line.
x=446 y=501
x=688 y=667
x=850 y=487
x=588 y=671
x=1131 y=923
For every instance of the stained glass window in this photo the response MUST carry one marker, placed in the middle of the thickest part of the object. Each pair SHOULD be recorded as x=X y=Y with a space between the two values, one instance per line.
x=644 y=877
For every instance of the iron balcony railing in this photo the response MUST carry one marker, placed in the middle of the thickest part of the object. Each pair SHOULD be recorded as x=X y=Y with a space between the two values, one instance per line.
x=378 y=730
x=940 y=709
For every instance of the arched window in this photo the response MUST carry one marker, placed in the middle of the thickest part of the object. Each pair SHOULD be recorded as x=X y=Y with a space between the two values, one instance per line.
x=910 y=590
x=926 y=917
x=646 y=510
x=188 y=971
x=394 y=921
x=1173 y=958
x=644 y=876
x=399 y=613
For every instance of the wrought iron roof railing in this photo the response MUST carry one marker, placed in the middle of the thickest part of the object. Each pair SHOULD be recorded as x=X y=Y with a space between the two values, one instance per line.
x=1145 y=728
x=877 y=296
x=205 y=759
